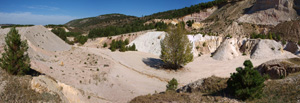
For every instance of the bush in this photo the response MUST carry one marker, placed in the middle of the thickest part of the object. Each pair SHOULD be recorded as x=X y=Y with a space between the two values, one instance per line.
x=132 y=48
x=104 y=45
x=228 y=36
x=283 y=42
x=204 y=44
x=15 y=60
x=247 y=83
x=60 y=32
x=172 y=85
x=121 y=45
x=126 y=42
x=80 y=39
x=190 y=23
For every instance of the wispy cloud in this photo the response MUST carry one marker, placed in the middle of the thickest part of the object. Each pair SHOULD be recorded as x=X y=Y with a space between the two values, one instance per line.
x=29 y=18
x=43 y=7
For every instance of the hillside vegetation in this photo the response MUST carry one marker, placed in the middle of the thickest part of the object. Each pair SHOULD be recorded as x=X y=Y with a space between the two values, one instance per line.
x=112 y=22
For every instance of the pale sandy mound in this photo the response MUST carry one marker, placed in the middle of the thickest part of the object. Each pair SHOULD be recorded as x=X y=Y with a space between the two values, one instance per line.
x=149 y=42
x=39 y=36
x=268 y=49
x=227 y=50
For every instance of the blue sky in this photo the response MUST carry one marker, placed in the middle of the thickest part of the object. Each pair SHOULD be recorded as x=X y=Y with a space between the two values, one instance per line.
x=41 y=12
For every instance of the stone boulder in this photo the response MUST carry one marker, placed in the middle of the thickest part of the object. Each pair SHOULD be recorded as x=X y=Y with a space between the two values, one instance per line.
x=275 y=71
x=291 y=47
x=191 y=87
x=279 y=68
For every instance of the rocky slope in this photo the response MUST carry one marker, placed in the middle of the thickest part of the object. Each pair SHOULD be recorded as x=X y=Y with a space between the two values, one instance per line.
x=289 y=31
x=270 y=12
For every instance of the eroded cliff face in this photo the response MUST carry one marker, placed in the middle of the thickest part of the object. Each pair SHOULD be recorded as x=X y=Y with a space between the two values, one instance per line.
x=270 y=12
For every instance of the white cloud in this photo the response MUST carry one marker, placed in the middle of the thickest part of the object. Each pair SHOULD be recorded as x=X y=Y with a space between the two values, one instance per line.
x=43 y=7
x=29 y=18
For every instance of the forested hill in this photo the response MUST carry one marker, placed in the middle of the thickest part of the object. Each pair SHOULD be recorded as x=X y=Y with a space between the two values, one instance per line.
x=118 y=23
x=101 y=21
x=187 y=10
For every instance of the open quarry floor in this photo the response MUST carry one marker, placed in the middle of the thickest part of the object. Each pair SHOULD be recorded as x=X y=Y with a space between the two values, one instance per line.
x=109 y=76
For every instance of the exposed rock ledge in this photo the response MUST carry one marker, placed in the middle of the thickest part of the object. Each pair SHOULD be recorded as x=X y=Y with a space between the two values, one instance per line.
x=68 y=94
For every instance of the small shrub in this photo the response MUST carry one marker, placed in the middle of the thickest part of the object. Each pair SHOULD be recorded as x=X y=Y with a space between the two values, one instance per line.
x=244 y=54
x=51 y=68
x=197 y=47
x=273 y=48
x=89 y=97
x=106 y=65
x=246 y=83
x=104 y=45
x=283 y=42
x=172 y=85
x=126 y=42
x=228 y=36
x=204 y=44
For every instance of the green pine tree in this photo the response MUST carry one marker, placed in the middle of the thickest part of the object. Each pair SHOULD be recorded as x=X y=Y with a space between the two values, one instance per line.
x=246 y=83
x=172 y=85
x=176 y=48
x=15 y=60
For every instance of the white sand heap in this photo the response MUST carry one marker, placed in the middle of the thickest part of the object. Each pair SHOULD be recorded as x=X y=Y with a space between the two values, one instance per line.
x=227 y=50
x=266 y=49
x=150 y=42
x=38 y=36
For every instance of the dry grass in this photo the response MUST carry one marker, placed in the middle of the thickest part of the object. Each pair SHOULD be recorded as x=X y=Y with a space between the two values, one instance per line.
x=212 y=90
x=201 y=94
x=295 y=60
x=18 y=90
x=282 y=91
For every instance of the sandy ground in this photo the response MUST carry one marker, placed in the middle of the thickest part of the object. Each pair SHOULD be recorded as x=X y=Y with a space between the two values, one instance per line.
x=134 y=73
x=104 y=76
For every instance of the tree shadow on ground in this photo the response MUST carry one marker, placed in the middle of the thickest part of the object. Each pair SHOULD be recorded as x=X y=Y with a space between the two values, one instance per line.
x=153 y=62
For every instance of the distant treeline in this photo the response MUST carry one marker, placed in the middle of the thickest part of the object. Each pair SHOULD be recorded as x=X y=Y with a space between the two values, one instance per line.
x=15 y=25
x=187 y=10
x=128 y=28
x=54 y=26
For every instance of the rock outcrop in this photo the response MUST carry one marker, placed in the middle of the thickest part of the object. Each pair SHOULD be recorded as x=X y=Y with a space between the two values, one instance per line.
x=199 y=16
x=44 y=83
x=204 y=44
x=68 y=94
x=270 y=12
x=279 y=68
x=291 y=47
x=289 y=31
x=248 y=46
